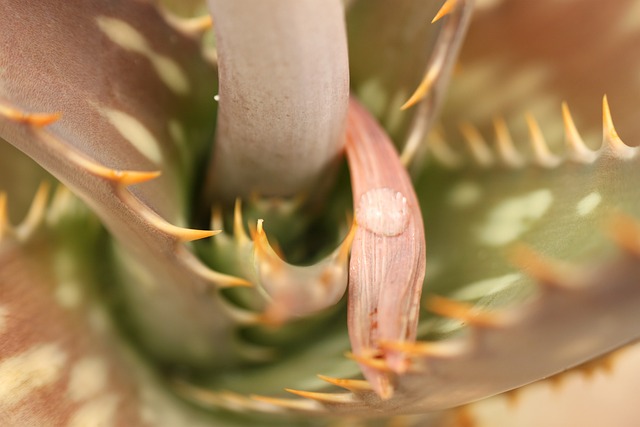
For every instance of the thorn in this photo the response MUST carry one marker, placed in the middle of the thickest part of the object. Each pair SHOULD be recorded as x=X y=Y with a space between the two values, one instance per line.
x=4 y=215
x=353 y=386
x=610 y=137
x=295 y=404
x=414 y=140
x=542 y=155
x=323 y=397
x=625 y=231
x=196 y=25
x=239 y=232
x=217 y=221
x=576 y=148
x=446 y=9
x=464 y=417
x=478 y=147
x=121 y=178
x=239 y=315
x=345 y=247
x=222 y=281
x=439 y=349
x=180 y=233
x=442 y=152
x=189 y=234
x=461 y=311
x=504 y=143
x=424 y=87
x=33 y=119
x=263 y=250
x=127 y=178
x=371 y=361
x=36 y=212
x=512 y=397
x=547 y=273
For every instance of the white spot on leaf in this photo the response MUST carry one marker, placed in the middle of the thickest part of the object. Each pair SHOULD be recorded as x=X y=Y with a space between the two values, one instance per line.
x=464 y=194
x=586 y=205
x=37 y=367
x=513 y=217
x=136 y=133
x=128 y=38
x=68 y=294
x=88 y=378
x=486 y=287
x=96 y=413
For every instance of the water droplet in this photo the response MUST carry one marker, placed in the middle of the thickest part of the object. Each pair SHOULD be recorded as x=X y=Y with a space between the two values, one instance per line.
x=383 y=211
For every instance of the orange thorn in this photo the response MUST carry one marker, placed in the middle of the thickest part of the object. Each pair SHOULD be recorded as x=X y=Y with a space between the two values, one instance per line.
x=423 y=88
x=4 y=216
x=322 y=397
x=610 y=135
x=543 y=156
x=34 y=119
x=198 y=23
x=446 y=9
x=296 y=404
x=238 y=227
x=372 y=362
x=460 y=310
x=127 y=178
x=625 y=230
x=577 y=149
x=506 y=149
x=189 y=234
x=425 y=348
x=536 y=266
x=478 y=147
x=348 y=384
x=607 y=121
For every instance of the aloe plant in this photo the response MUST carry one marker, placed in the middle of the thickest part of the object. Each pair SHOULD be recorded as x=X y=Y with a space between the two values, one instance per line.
x=160 y=162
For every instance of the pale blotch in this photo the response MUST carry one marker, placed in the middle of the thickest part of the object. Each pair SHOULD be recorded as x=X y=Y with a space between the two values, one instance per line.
x=98 y=320
x=177 y=133
x=383 y=211
x=98 y=412
x=68 y=294
x=587 y=204
x=487 y=4
x=20 y=375
x=486 y=287
x=513 y=217
x=88 y=378
x=464 y=194
x=128 y=38
x=171 y=74
x=4 y=314
x=136 y=133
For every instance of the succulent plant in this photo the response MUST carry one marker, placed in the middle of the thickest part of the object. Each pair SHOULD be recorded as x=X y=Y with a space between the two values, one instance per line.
x=158 y=166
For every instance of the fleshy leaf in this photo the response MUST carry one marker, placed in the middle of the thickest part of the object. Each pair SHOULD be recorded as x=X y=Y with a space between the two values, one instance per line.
x=123 y=95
